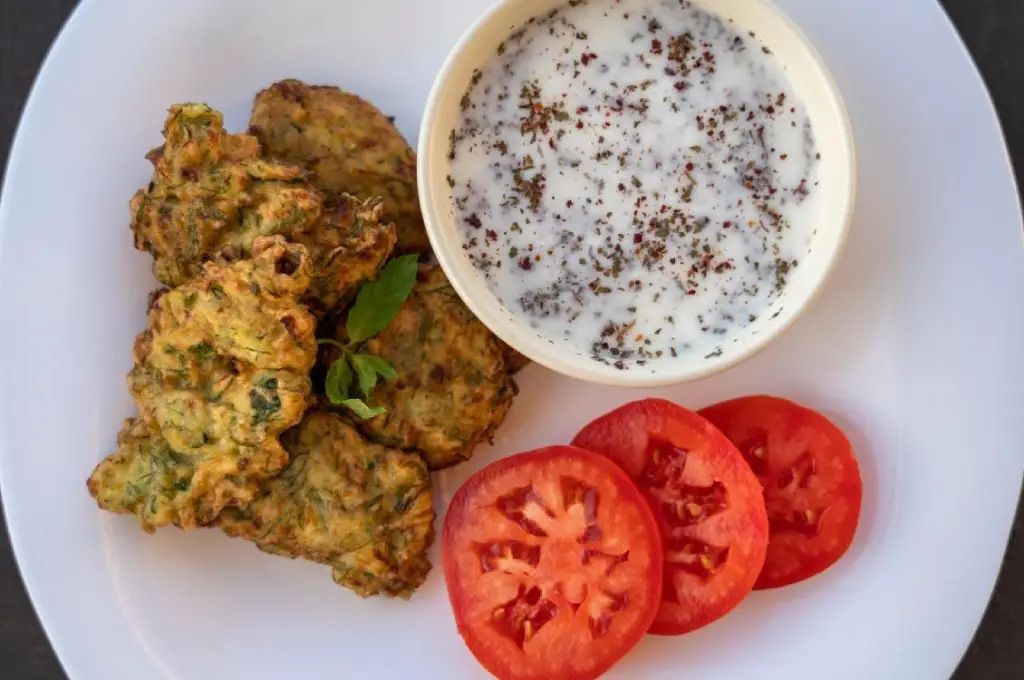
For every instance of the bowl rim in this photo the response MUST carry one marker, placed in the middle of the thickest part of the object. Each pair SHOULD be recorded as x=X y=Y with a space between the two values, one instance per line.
x=475 y=292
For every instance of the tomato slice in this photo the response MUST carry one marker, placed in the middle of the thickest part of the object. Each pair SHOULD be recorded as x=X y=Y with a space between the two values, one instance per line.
x=708 y=503
x=553 y=565
x=812 y=485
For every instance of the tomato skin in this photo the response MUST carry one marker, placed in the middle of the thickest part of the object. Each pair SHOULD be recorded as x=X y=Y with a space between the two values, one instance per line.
x=806 y=464
x=564 y=645
x=628 y=436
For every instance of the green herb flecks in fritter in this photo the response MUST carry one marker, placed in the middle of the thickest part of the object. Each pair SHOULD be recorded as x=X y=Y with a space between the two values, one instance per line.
x=348 y=145
x=363 y=509
x=146 y=478
x=223 y=367
x=452 y=388
x=348 y=245
x=211 y=190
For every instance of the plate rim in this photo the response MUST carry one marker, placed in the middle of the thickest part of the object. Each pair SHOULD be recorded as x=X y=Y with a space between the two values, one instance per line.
x=14 y=536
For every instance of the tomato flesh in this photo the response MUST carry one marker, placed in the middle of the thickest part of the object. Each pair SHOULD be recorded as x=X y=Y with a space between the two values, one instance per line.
x=812 y=484
x=552 y=560
x=708 y=504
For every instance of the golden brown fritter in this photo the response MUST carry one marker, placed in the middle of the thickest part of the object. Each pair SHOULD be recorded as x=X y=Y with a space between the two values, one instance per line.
x=145 y=477
x=348 y=144
x=223 y=367
x=453 y=387
x=348 y=246
x=211 y=190
x=514 y=360
x=363 y=509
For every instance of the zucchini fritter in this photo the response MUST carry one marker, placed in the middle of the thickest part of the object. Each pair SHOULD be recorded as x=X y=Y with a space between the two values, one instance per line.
x=211 y=190
x=453 y=387
x=348 y=246
x=223 y=367
x=514 y=360
x=363 y=509
x=145 y=477
x=350 y=147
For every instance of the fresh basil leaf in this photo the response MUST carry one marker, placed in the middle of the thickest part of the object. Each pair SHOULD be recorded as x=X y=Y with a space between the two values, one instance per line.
x=378 y=301
x=339 y=381
x=367 y=368
x=366 y=372
x=383 y=368
x=362 y=410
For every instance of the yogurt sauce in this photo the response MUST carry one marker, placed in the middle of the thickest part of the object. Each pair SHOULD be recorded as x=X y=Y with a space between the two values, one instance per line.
x=634 y=177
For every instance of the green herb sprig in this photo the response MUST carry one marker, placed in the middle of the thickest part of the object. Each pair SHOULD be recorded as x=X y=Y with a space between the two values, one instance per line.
x=352 y=377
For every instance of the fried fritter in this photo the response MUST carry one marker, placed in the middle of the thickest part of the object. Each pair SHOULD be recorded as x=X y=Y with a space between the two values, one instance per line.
x=348 y=144
x=514 y=360
x=145 y=477
x=223 y=367
x=211 y=190
x=348 y=246
x=363 y=509
x=453 y=387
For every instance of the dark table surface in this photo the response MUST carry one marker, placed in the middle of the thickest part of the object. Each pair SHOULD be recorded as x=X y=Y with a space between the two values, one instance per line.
x=991 y=29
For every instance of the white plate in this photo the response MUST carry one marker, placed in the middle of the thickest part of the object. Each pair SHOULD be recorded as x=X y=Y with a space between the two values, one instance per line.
x=914 y=348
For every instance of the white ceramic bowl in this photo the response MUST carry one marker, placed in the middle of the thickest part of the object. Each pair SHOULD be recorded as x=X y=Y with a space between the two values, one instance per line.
x=810 y=80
